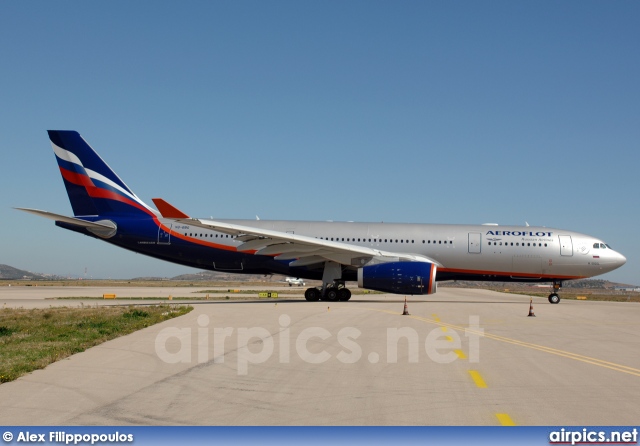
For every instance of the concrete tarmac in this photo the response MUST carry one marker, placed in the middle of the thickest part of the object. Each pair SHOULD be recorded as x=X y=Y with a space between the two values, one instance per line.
x=462 y=357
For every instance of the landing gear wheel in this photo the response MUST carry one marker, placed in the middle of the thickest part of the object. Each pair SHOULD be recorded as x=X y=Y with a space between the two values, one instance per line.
x=344 y=294
x=554 y=298
x=331 y=294
x=312 y=294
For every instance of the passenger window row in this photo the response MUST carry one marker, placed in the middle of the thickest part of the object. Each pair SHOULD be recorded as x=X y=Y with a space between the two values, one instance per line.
x=365 y=240
x=337 y=239
x=517 y=244
x=190 y=234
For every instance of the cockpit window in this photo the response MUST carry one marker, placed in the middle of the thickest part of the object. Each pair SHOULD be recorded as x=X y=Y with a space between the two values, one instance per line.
x=609 y=246
x=603 y=246
x=596 y=245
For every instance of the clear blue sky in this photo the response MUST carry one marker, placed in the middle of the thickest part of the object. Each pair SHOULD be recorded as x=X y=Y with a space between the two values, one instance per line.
x=412 y=111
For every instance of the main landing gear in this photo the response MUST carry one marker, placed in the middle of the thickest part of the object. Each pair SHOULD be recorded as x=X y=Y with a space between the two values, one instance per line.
x=332 y=293
x=553 y=297
x=333 y=288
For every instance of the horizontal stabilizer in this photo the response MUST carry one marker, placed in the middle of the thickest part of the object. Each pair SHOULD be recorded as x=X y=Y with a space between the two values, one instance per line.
x=167 y=210
x=104 y=224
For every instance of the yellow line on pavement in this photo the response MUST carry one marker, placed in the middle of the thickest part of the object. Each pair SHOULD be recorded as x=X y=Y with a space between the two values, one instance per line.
x=576 y=357
x=477 y=379
x=505 y=419
x=460 y=354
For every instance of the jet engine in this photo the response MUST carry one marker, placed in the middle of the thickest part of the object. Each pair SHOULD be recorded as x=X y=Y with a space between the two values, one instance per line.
x=399 y=277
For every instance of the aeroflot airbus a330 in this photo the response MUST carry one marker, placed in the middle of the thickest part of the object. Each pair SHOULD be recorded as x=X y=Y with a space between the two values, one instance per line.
x=390 y=257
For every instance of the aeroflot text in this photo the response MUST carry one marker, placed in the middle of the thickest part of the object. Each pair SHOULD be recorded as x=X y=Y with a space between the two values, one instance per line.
x=521 y=233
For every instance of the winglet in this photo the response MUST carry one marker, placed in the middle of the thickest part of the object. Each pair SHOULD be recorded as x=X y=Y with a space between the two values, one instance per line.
x=167 y=210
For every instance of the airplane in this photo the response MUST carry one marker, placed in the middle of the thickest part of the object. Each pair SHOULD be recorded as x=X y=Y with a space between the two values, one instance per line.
x=399 y=258
x=294 y=281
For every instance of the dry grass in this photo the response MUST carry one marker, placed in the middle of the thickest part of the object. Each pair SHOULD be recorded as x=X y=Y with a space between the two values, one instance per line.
x=33 y=339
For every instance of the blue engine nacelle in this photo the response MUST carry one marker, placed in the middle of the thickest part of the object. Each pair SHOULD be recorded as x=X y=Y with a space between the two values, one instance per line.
x=399 y=277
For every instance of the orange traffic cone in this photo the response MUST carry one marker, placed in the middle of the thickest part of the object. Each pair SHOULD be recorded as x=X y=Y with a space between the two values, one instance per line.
x=406 y=310
x=531 y=309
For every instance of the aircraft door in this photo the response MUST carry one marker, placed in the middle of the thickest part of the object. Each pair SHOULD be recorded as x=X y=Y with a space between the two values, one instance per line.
x=566 y=245
x=164 y=237
x=474 y=242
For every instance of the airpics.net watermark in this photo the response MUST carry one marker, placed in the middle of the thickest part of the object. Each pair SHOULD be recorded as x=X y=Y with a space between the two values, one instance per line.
x=256 y=345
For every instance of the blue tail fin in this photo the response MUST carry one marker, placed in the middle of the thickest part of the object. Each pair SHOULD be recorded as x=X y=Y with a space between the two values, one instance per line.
x=93 y=188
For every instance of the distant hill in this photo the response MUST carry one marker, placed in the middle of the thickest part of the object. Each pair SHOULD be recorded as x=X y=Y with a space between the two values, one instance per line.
x=212 y=276
x=10 y=273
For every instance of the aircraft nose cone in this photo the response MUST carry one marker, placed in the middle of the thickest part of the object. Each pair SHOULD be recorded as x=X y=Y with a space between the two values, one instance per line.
x=621 y=260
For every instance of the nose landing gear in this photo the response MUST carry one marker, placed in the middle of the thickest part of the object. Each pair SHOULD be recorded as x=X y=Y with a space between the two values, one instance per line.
x=553 y=297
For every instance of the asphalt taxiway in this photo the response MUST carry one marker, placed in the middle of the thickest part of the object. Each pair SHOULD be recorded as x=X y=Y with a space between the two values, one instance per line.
x=462 y=357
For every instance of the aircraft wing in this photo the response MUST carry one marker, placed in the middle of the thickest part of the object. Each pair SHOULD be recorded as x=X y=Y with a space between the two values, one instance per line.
x=103 y=225
x=301 y=250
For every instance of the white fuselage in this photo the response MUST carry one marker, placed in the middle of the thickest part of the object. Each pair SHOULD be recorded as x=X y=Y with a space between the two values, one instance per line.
x=462 y=251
